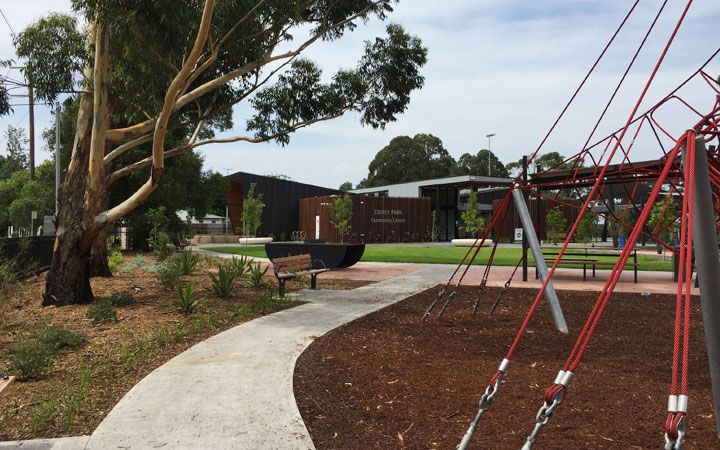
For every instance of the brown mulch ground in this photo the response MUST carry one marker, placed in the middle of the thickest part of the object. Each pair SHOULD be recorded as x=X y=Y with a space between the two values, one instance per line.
x=389 y=380
x=118 y=354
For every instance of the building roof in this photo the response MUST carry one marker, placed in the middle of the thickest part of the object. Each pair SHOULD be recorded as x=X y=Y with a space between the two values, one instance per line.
x=242 y=176
x=412 y=188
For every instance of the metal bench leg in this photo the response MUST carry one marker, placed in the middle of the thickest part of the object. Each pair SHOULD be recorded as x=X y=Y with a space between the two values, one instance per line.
x=584 y=272
x=281 y=288
x=593 y=270
x=313 y=281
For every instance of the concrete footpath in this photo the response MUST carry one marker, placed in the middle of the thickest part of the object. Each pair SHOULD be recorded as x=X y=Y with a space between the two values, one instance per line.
x=235 y=390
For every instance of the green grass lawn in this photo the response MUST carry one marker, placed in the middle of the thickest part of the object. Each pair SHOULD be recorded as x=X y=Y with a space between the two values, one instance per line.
x=504 y=256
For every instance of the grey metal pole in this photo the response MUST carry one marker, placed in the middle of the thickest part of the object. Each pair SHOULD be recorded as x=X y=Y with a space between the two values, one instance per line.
x=708 y=267
x=529 y=231
x=526 y=197
x=58 y=108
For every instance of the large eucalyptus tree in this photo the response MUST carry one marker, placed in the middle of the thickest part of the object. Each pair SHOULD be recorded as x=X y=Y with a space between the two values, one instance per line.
x=146 y=70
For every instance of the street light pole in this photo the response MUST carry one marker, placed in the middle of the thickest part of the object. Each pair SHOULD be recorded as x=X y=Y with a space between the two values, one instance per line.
x=488 y=136
x=57 y=158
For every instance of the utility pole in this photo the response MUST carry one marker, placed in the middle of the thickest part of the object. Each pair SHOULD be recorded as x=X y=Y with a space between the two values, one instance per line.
x=31 y=118
x=488 y=136
x=57 y=158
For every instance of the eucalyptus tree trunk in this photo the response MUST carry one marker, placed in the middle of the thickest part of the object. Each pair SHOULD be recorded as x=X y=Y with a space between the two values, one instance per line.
x=99 y=252
x=80 y=196
x=68 y=279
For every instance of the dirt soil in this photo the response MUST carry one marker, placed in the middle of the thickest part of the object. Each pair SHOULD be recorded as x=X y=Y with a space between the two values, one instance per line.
x=389 y=380
x=145 y=335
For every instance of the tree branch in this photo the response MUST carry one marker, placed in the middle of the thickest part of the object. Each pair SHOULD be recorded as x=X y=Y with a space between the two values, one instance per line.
x=158 y=154
x=190 y=146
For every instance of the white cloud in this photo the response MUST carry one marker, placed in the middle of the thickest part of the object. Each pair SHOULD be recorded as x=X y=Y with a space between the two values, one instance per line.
x=506 y=67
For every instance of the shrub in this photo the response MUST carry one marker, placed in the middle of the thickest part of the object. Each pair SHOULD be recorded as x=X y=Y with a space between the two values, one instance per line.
x=162 y=246
x=185 y=302
x=58 y=338
x=136 y=263
x=115 y=260
x=224 y=283
x=188 y=261
x=30 y=358
x=256 y=276
x=8 y=276
x=102 y=312
x=169 y=274
x=32 y=354
x=240 y=265
x=120 y=299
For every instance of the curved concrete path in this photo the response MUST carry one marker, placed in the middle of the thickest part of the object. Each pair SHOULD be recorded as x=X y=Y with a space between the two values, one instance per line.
x=235 y=390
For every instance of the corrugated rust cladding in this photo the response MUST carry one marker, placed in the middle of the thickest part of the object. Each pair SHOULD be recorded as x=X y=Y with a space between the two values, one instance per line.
x=375 y=219
x=281 y=198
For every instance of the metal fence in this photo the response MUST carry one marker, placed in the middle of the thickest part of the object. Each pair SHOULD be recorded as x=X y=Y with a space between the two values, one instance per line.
x=31 y=255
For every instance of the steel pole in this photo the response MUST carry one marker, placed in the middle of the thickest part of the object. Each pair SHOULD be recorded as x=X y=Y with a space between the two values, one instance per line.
x=708 y=268
x=529 y=231
x=526 y=197
x=31 y=119
x=58 y=109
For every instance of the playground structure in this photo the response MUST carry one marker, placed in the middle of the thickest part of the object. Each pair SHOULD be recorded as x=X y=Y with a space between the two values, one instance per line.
x=687 y=168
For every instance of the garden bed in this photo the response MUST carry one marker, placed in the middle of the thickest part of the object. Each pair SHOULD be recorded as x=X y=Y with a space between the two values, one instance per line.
x=98 y=364
x=389 y=380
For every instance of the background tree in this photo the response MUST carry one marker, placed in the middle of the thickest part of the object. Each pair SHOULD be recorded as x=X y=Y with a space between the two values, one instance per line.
x=153 y=69
x=346 y=187
x=16 y=149
x=555 y=223
x=407 y=159
x=477 y=164
x=587 y=228
x=663 y=218
x=341 y=214
x=472 y=219
x=253 y=206
x=545 y=161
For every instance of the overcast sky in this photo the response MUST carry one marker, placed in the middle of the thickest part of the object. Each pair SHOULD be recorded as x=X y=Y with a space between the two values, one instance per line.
x=504 y=67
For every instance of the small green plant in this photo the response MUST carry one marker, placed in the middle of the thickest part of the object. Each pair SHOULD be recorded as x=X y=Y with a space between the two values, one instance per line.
x=223 y=284
x=341 y=214
x=472 y=219
x=256 y=272
x=240 y=265
x=162 y=246
x=102 y=312
x=76 y=391
x=169 y=273
x=115 y=259
x=188 y=262
x=136 y=263
x=30 y=358
x=252 y=211
x=42 y=414
x=185 y=302
x=120 y=299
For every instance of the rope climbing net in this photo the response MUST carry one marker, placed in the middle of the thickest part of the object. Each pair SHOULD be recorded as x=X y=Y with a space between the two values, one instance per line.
x=599 y=172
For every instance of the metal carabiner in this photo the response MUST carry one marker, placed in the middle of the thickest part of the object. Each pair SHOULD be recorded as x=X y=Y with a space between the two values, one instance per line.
x=500 y=296
x=485 y=403
x=432 y=305
x=680 y=433
x=481 y=291
x=447 y=302
x=543 y=417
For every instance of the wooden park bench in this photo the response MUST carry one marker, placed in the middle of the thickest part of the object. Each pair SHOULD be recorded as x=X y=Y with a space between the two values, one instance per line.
x=589 y=257
x=5 y=381
x=291 y=267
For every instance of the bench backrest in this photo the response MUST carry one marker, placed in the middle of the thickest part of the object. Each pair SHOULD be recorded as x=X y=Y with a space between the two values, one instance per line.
x=292 y=264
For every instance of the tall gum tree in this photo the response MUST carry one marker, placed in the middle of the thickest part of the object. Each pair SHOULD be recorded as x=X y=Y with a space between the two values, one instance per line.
x=145 y=69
